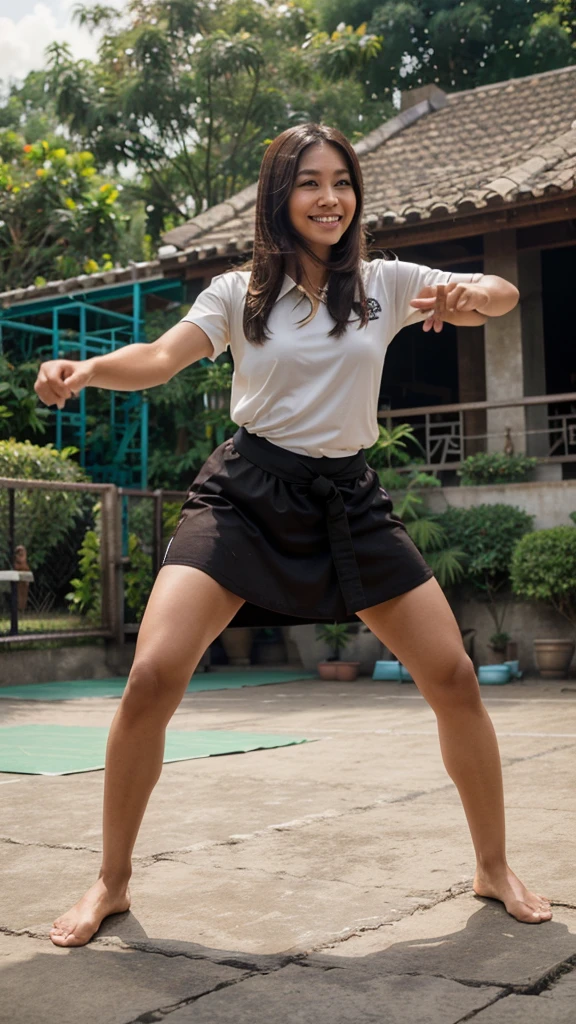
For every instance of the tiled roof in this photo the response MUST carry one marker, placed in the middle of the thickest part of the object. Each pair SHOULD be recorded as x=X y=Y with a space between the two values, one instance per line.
x=447 y=156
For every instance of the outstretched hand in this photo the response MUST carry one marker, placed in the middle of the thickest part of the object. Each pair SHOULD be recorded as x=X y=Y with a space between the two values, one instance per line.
x=442 y=300
x=61 y=379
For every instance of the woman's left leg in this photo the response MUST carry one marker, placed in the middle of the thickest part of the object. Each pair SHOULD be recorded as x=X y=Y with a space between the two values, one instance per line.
x=420 y=629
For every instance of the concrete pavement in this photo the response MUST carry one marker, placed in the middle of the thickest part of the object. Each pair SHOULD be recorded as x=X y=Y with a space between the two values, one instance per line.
x=328 y=882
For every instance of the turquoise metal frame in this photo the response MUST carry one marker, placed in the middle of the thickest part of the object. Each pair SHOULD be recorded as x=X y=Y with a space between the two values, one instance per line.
x=84 y=325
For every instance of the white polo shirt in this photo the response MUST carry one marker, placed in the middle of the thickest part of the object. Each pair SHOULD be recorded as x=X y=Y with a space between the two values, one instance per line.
x=301 y=389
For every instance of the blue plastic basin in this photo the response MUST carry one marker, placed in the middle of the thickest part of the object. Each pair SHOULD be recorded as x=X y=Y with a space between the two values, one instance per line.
x=392 y=671
x=494 y=675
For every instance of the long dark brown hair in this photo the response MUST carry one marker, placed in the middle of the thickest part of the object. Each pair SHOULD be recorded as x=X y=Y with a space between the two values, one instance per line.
x=275 y=237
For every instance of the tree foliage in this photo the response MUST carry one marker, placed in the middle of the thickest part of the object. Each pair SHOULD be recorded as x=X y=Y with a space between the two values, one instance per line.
x=190 y=90
x=58 y=216
x=459 y=44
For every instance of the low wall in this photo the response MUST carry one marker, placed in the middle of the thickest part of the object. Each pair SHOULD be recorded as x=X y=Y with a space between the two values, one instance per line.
x=54 y=665
x=524 y=622
x=550 y=502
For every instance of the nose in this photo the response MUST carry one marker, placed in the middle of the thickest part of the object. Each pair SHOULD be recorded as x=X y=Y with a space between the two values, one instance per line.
x=328 y=198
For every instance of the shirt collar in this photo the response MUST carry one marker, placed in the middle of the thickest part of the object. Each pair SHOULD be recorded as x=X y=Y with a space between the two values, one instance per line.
x=288 y=284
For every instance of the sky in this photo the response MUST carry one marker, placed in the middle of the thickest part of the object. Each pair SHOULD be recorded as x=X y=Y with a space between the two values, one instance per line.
x=27 y=27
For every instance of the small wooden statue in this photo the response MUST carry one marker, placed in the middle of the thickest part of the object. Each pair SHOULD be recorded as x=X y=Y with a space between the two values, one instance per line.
x=21 y=565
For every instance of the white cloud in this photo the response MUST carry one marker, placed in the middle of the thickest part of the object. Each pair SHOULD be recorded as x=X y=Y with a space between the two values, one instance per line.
x=23 y=41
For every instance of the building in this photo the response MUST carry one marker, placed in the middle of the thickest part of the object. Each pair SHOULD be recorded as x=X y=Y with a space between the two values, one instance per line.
x=477 y=180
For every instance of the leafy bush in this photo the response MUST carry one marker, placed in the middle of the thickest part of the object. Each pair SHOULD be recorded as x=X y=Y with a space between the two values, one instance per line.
x=392 y=447
x=86 y=596
x=495 y=468
x=138 y=578
x=42 y=518
x=544 y=569
x=423 y=526
x=487 y=534
x=20 y=409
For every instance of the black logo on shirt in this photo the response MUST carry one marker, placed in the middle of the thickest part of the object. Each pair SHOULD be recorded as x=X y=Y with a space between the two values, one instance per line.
x=374 y=308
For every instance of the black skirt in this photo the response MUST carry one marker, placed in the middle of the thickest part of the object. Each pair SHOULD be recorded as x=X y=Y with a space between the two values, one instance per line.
x=301 y=539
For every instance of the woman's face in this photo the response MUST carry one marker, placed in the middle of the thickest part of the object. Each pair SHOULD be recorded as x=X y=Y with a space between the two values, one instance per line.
x=322 y=189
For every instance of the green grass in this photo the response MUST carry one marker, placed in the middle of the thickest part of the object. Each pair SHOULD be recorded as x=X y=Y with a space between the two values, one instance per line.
x=49 y=622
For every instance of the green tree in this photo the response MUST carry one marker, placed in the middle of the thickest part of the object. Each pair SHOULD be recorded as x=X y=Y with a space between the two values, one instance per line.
x=190 y=91
x=459 y=44
x=58 y=216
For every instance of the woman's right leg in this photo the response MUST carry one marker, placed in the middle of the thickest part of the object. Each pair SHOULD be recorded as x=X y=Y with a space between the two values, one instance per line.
x=186 y=611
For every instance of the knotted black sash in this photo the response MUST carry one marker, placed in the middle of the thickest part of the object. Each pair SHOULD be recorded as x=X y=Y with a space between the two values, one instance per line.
x=300 y=469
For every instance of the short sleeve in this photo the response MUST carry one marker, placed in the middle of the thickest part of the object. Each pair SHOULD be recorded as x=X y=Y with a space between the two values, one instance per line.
x=211 y=311
x=410 y=279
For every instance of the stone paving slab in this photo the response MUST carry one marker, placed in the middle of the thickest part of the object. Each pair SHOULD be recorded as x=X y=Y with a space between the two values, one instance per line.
x=39 y=883
x=213 y=905
x=39 y=982
x=299 y=995
x=253 y=861
x=556 y=1005
x=466 y=939
x=373 y=849
x=198 y=801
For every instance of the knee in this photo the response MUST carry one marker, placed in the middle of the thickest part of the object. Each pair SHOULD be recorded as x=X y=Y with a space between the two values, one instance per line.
x=454 y=685
x=149 y=691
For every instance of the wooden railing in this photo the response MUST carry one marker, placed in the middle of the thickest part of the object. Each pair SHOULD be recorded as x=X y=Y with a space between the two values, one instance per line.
x=446 y=439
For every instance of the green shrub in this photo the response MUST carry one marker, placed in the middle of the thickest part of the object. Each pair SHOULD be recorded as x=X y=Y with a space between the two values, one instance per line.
x=42 y=518
x=495 y=468
x=392 y=447
x=544 y=569
x=423 y=526
x=138 y=578
x=487 y=534
x=86 y=596
x=21 y=413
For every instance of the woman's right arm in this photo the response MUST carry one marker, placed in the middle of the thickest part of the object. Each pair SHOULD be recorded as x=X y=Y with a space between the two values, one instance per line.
x=131 y=368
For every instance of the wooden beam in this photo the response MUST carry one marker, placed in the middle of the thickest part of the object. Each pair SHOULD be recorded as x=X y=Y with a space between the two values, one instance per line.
x=500 y=218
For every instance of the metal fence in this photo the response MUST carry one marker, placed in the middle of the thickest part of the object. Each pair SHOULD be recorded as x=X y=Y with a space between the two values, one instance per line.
x=85 y=556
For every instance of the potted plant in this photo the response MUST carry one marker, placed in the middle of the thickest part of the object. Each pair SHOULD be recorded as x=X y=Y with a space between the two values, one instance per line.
x=498 y=645
x=237 y=642
x=337 y=636
x=544 y=569
x=496 y=468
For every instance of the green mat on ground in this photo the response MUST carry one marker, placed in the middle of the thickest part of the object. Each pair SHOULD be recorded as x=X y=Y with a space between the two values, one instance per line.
x=115 y=687
x=66 y=749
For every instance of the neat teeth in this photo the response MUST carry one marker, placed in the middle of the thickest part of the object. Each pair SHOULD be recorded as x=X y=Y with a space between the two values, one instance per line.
x=327 y=220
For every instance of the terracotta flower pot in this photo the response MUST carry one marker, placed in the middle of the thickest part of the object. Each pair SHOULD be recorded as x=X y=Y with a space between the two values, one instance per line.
x=553 y=657
x=237 y=642
x=346 y=671
x=327 y=669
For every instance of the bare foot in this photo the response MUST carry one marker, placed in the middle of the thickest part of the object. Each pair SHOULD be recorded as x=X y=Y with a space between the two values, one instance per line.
x=520 y=903
x=77 y=927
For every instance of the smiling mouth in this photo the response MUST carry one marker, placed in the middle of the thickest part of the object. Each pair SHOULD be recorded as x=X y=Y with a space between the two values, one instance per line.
x=335 y=219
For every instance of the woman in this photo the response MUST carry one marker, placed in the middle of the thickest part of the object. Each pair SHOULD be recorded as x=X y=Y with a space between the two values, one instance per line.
x=285 y=521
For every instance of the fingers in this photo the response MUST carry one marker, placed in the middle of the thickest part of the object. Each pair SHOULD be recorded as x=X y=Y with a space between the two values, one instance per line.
x=52 y=384
x=436 y=317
